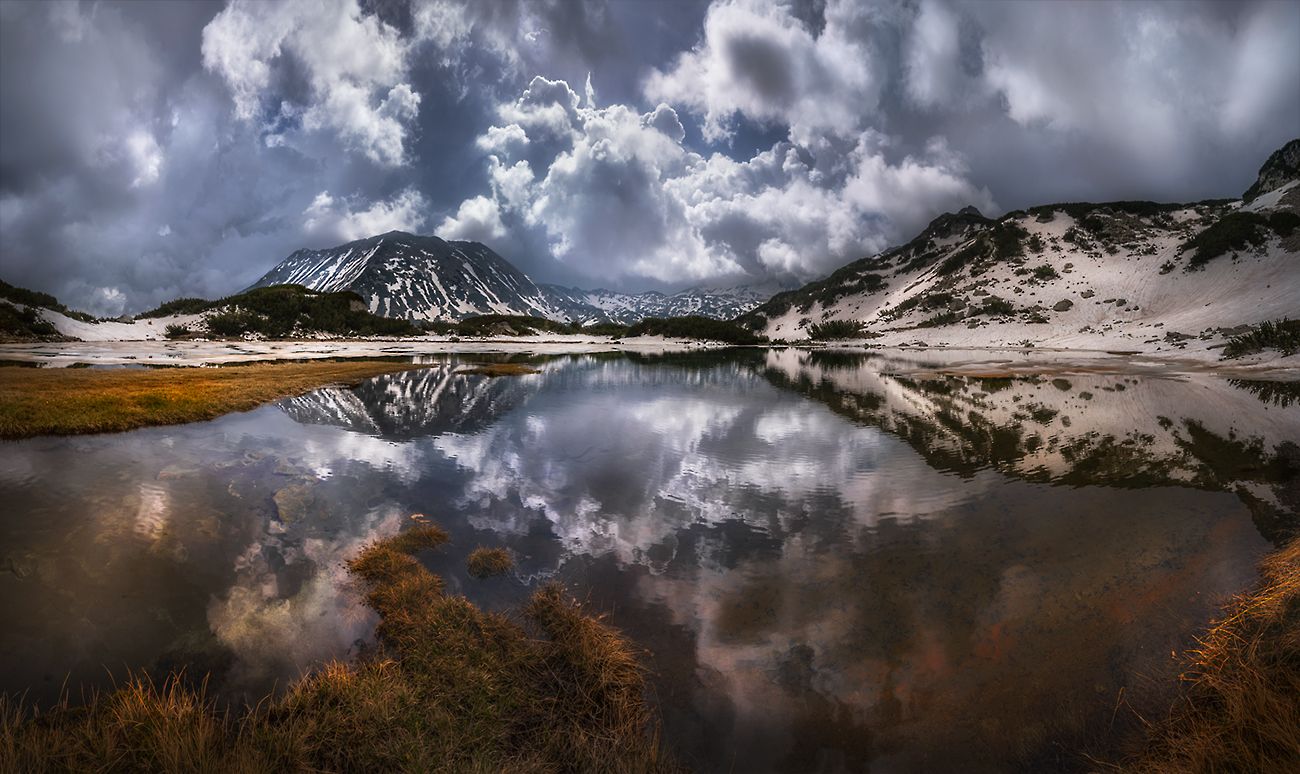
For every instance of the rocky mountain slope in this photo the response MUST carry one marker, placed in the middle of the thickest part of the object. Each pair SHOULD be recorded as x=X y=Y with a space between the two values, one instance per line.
x=627 y=308
x=416 y=277
x=1134 y=276
x=426 y=278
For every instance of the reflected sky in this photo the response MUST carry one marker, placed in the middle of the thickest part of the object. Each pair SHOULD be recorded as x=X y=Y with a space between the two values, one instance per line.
x=832 y=567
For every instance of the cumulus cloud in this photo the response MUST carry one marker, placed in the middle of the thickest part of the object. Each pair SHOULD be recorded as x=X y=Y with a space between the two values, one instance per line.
x=332 y=218
x=354 y=66
x=740 y=139
x=760 y=61
x=620 y=198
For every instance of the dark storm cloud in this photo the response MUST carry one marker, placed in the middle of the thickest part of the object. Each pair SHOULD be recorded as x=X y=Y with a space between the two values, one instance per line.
x=154 y=150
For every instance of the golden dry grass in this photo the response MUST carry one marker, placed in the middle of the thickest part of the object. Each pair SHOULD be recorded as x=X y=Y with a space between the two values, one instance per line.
x=486 y=562
x=498 y=369
x=1241 y=709
x=43 y=401
x=451 y=688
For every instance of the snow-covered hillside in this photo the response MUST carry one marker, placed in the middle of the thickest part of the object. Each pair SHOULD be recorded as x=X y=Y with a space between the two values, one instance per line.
x=1121 y=276
x=416 y=277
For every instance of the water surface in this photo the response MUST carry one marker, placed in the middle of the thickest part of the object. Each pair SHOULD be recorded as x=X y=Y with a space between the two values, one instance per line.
x=832 y=567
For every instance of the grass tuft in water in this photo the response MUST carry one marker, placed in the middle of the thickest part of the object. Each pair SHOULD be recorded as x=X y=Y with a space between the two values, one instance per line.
x=486 y=562
x=449 y=688
x=1241 y=709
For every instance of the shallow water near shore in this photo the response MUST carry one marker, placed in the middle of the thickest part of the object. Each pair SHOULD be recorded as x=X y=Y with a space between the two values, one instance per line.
x=832 y=565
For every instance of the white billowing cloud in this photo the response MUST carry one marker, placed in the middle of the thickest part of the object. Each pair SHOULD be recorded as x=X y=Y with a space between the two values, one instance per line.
x=108 y=301
x=145 y=156
x=620 y=198
x=354 y=66
x=329 y=217
x=758 y=60
x=931 y=55
x=477 y=220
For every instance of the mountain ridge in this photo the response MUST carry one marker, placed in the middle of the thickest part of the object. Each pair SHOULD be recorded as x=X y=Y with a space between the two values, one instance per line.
x=1074 y=275
x=417 y=277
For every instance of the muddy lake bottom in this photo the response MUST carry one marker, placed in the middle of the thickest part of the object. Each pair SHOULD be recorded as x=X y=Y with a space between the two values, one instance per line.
x=830 y=566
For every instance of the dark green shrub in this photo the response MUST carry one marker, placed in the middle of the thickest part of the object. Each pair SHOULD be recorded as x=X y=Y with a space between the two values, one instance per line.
x=694 y=327
x=510 y=325
x=280 y=311
x=177 y=331
x=836 y=329
x=995 y=306
x=1282 y=335
x=23 y=322
x=968 y=254
x=25 y=297
x=943 y=318
x=179 y=306
x=1235 y=232
x=1045 y=272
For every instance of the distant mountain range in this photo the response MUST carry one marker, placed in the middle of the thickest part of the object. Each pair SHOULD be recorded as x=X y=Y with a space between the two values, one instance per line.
x=426 y=278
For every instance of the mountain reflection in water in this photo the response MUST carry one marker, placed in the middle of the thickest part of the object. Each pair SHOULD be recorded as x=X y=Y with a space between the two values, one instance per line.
x=832 y=567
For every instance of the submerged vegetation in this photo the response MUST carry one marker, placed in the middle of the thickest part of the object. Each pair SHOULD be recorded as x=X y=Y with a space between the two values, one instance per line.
x=1282 y=335
x=41 y=401
x=486 y=562
x=449 y=688
x=1241 y=709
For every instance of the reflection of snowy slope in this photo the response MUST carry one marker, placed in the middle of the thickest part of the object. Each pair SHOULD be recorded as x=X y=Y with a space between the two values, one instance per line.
x=1079 y=429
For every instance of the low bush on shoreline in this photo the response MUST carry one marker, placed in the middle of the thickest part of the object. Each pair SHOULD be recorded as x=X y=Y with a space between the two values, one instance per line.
x=1282 y=335
x=837 y=329
x=25 y=297
x=450 y=688
x=694 y=327
x=282 y=311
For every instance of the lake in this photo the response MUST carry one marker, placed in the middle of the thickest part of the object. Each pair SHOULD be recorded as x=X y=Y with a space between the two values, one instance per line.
x=833 y=562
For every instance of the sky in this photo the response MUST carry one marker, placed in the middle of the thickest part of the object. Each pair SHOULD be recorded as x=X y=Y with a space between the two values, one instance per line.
x=150 y=150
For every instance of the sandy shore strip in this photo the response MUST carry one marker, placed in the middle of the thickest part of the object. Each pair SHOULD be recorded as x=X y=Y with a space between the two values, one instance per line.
x=912 y=360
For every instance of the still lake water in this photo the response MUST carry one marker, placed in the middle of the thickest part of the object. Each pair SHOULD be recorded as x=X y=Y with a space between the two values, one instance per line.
x=832 y=566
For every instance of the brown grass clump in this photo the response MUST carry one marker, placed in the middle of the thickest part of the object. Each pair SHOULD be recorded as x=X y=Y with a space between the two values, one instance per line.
x=450 y=688
x=59 y=401
x=499 y=369
x=486 y=562
x=1241 y=709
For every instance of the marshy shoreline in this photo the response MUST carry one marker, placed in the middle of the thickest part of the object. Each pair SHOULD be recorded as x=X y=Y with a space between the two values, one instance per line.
x=449 y=687
x=549 y=686
x=38 y=401
x=553 y=687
